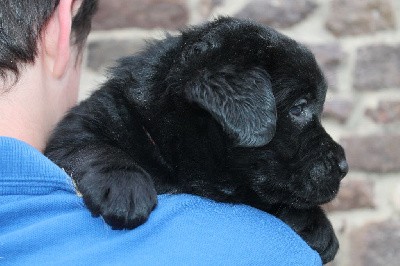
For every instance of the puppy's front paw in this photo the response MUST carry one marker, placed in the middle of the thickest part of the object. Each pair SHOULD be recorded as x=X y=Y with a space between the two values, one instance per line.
x=329 y=247
x=123 y=198
x=321 y=237
x=315 y=228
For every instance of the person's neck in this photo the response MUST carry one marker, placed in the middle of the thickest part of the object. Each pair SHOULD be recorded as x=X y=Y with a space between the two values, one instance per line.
x=21 y=128
x=22 y=112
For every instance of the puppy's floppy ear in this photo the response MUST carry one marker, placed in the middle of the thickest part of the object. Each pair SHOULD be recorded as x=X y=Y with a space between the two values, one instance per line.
x=240 y=100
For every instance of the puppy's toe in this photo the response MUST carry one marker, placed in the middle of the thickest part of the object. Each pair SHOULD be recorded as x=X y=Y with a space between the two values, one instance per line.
x=124 y=199
x=328 y=249
x=322 y=238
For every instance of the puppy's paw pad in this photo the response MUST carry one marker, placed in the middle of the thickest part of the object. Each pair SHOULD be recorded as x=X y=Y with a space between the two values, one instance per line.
x=124 y=199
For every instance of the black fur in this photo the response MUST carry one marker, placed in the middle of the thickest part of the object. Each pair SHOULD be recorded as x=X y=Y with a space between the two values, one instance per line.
x=229 y=110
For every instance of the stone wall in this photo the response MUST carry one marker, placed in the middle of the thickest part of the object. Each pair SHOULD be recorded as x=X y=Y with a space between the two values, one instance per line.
x=357 y=43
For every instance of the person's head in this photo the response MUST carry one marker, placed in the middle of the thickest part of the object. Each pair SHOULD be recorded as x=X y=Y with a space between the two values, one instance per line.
x=21 y=24
x=40 y=63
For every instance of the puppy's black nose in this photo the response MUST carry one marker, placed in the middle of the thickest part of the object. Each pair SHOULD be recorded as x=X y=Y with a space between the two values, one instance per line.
x=344 y=167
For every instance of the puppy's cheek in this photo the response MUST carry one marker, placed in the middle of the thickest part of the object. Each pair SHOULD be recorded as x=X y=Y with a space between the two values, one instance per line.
x=324 y=171
x=324 y=182
x=317 y=172
x=313 y=186
x=270 y=192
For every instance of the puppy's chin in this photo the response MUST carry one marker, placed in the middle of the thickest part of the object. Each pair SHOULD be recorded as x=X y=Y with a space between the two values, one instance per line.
x=319 y=184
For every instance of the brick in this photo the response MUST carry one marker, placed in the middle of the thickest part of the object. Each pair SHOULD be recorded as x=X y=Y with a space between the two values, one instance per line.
x=396 y=197
x=102 y=54
x=281 y=14
x=374 y=153
x=217 y=2
x=353 y=194
x=168 y=14
x=329 y=56
x=386 y=112
x=377 y=67
x=376 y=244
x=205 y=7
x=338 y=109
x=350 y=17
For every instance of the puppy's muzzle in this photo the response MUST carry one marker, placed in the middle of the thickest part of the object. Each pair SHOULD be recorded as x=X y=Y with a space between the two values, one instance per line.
x=322 y=157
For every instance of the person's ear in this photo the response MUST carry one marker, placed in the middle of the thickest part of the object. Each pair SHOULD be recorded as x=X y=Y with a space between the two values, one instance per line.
x=57 y=37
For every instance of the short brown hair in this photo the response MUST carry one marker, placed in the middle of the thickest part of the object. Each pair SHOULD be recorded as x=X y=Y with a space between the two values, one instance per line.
x=21 y=23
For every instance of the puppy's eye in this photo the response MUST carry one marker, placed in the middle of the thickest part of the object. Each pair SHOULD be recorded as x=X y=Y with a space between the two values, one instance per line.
x=298 y=108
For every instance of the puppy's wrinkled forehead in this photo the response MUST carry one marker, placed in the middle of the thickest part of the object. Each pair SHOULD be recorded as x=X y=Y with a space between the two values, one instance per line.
x=296 y=74
x=227 y=40
x=291 y=65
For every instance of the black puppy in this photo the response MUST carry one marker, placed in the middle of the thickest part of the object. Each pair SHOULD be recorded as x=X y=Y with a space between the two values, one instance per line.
x=229 y=110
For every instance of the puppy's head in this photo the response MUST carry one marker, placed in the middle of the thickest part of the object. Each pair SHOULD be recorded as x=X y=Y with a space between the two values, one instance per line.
x=239 y=115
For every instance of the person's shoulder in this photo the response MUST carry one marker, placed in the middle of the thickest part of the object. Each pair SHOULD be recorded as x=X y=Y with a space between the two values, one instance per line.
x=242 y=233
x=182 y=230
x=206 y=210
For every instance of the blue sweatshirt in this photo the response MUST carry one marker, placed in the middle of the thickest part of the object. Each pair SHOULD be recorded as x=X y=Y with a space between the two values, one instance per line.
x=44 y=222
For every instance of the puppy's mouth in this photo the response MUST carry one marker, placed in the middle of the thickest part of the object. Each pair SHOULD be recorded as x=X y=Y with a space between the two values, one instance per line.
x=316 y=184
x=320 y=197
